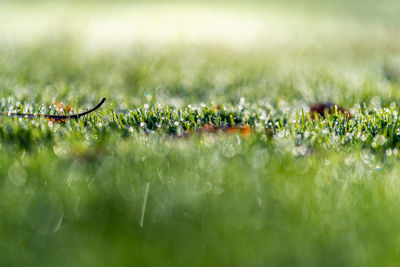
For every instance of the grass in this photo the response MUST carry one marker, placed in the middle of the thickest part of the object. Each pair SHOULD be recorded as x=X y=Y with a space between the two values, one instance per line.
x=118 y=187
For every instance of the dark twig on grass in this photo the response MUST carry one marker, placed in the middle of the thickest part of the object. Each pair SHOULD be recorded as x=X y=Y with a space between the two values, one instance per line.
x=56 y=118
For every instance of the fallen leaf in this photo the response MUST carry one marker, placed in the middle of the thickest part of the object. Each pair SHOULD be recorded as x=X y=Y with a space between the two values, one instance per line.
x=213 y=129
x=328 y=108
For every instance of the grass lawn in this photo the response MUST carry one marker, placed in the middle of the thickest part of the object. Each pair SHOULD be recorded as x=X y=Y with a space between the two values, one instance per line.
x=136 y=184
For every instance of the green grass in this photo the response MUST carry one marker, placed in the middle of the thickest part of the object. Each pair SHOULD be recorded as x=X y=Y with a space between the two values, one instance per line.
x=118 y=188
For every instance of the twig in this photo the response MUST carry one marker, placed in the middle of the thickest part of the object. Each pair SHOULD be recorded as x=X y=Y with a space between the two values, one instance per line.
x=54 y=117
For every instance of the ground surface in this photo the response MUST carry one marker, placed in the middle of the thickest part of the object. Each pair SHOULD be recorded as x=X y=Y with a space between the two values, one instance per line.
x=127 y=185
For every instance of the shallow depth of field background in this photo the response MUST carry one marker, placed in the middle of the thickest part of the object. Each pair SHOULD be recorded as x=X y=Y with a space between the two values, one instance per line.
x=184 y=52
x=91 y=193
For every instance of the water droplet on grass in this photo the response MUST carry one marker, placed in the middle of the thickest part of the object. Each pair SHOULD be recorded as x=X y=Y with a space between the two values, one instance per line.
x=228 y=151
x=17 y=175
x=302 y=150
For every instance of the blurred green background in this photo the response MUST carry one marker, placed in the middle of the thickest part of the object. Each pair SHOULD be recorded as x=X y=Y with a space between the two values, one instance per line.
x=184 y=52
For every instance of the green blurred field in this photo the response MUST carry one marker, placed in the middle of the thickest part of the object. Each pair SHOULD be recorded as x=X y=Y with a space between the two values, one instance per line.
x=117 y=188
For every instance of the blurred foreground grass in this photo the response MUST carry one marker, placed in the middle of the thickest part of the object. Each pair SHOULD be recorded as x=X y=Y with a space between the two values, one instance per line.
x=223 y=201
x=116 y=189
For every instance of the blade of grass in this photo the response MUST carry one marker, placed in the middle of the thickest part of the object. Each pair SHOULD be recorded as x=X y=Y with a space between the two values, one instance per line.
x=146 y=193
